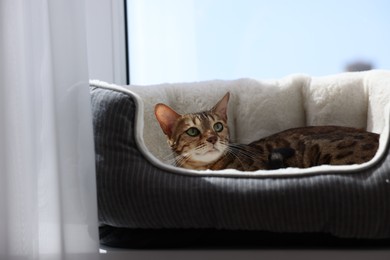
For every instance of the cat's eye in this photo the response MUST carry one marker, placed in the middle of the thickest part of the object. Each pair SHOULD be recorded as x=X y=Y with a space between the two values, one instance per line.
x=218 y=127
x=193 y=131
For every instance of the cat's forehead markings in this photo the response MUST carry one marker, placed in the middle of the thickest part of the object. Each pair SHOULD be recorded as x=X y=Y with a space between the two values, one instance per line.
x=204 y=116
x=197 y=121
x=209 y=116
x=188 y=121
x=192 y=120
x=201 y=120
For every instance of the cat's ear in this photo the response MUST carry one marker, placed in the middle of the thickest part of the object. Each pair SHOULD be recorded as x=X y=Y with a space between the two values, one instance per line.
x=221 y=107
x=167 y=118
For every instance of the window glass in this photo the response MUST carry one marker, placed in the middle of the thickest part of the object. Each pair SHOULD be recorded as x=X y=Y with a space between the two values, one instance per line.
x=192 y=40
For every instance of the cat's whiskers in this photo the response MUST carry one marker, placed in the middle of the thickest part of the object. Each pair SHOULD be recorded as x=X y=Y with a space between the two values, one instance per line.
x=169 y=159
x=175 y=159
x=244 y=152
x=228 y=148
x=180 y=160
x=200 y=148
x=236 y=155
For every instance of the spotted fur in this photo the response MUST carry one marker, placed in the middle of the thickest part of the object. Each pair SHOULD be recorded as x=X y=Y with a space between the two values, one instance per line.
x=201 y=141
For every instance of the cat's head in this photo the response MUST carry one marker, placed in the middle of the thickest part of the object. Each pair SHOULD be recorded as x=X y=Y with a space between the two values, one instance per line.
x=197 y=139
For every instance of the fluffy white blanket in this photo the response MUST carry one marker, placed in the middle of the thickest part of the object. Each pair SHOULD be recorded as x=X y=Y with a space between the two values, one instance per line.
x=258 y=108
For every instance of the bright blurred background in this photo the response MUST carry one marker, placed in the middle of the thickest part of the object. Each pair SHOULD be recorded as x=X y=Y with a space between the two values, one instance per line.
x=193 y=40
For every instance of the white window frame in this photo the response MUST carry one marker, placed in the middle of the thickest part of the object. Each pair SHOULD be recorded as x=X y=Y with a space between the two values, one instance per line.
x=106 y=40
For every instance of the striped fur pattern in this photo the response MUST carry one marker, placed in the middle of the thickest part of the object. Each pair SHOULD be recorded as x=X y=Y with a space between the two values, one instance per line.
x=201 y=141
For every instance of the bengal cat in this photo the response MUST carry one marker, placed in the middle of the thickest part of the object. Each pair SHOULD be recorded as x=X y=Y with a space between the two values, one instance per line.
x=201 y=141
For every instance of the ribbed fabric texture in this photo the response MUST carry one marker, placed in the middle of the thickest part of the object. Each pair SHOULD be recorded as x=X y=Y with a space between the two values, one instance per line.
x=132 y=193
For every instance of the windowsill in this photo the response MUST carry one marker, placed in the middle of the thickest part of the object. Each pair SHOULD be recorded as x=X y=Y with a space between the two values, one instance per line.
x=233 y=254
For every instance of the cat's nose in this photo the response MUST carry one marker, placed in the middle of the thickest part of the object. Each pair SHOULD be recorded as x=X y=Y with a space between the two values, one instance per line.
x=212 y=139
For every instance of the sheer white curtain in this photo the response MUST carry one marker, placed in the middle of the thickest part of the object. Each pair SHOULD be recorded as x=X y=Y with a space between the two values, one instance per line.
x=47 y=176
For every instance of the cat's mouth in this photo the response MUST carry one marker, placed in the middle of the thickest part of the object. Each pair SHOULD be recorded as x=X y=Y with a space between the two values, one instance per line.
x=209 y=151
x=213 y=150
x=208 y=154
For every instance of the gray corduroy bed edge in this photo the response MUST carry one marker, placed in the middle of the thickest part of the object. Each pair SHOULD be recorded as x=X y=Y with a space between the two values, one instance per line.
x=136 y=193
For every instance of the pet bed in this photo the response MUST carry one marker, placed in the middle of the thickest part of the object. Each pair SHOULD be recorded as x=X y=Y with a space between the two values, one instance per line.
x=138 y=190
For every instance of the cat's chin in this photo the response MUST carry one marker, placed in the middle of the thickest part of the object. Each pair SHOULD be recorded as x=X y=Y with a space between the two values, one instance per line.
x=213 y=152
x=208 y=157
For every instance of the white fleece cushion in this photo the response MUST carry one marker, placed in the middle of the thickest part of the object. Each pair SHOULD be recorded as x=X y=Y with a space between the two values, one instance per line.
x=378 y=87
x=258 y=108
x=337 y=100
